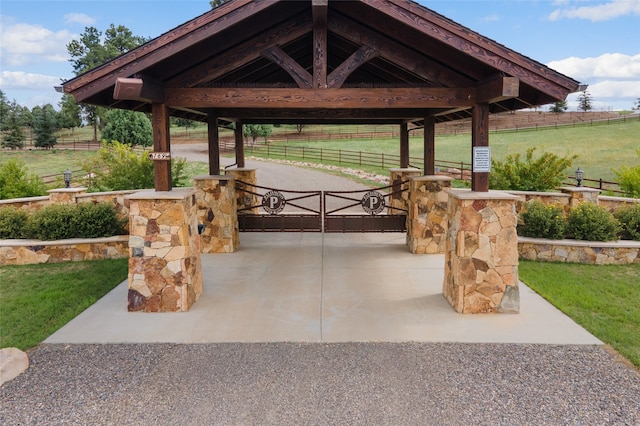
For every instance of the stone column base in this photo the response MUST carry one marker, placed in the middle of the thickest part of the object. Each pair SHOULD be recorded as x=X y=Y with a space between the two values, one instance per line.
x=165 y=274
x=580 y=194
x=428 y=220
x=481 y=257
x=217 y=214
x=245 y=199
x=399 y=202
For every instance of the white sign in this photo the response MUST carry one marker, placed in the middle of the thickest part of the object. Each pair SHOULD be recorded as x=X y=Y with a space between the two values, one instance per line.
x=159 y=156
x=481 y=159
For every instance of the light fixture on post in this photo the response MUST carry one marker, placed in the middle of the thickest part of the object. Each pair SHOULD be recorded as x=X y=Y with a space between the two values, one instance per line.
x=67 y=179
x=579 y=176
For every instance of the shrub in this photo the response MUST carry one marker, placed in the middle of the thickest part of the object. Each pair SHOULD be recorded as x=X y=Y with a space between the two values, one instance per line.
x=15 y=182
x=58 y=222
x=542 y=221
x=119 y=167
x=13 y=223
x=542 y=174
x=629 y=179
x=629 y=218
x=592 y=223
x=98 y=220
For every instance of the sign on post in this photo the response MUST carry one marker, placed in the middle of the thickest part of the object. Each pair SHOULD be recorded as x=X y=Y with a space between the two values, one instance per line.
x=159 y=156
x=481 y=159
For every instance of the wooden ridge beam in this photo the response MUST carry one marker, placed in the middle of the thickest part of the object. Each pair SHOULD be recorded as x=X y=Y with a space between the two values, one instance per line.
x=138 y=89
x=302 y=99
x=287 y=63
x=339 y=75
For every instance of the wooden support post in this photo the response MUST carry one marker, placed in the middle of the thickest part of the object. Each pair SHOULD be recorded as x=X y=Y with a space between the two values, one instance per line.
x=404 y=146
x=429 y=146
x=480 y=137
x=239 y=145
x=319 y=12
x=214 y=145
x=161 y=143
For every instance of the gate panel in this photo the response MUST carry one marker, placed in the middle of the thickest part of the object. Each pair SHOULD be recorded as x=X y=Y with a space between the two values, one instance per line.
x=281 y=210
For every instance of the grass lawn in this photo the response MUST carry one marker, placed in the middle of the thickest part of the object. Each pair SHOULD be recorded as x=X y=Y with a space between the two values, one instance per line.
x=37 y=300
x=605 y=300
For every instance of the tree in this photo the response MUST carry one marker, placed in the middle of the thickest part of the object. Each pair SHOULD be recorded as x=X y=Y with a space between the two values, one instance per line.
x=629 y=179
x=559 y=107
x=254 y=131
x=4 y=110
x=637 y=105
x=299 y=128
x=16 y=182
x=69 y=113
x=128 y=127
x=45 y=125
x=14 y=137
x=90 y=51
x=584 y=101
x=542 y=174
x=184 y=122
x=217 y=3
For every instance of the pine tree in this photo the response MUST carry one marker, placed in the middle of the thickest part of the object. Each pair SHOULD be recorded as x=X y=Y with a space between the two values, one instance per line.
x=584 y=101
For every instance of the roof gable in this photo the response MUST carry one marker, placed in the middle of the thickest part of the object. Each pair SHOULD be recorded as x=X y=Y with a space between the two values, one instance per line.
x=320 y=44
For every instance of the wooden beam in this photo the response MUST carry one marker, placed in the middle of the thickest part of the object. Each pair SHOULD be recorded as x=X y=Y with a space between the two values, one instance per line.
x=320 y=57
x=304 y=99
x=404 y=145
x=480 y=137
x=397 y=53
x=239 y=139
x=137 y=89
x=498 y=90
x=287 y=63
x=213 y=138
x=429 y=145
x=161 y=143
x=339 y=75
x=244 y=53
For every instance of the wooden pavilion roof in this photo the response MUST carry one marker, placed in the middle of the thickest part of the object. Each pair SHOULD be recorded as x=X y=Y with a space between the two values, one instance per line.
x=321 y=61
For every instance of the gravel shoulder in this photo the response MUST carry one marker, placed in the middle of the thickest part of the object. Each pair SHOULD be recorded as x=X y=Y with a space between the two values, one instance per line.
x=349 y=383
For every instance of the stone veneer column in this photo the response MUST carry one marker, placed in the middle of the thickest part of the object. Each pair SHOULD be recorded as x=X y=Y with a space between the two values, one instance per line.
x=401 y=200
x=428 y=219
x=65 y=195
x=217 y=214
x=481 y=258
x=580 y=194
x=245 y=199
x=165 y=273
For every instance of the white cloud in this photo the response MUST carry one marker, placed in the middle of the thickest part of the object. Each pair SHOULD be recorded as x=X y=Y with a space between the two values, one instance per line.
x=491 y=18
x=601 y=12
x=606 y=66
x=79 y=18
x=25 y=80
x=22 y=44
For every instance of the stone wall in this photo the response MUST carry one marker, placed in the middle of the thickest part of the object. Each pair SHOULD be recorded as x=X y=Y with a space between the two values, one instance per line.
x=26 y=252
x=574 y=251
x=165 y=273
x=481 y=257
x=245 y=194
x=399 y=202
x=614 y=203
x=427 y=218
x=27 y=204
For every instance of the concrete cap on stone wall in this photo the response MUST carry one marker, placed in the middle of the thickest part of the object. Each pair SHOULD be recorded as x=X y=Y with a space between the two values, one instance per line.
x=467 y=194
x=150 y=194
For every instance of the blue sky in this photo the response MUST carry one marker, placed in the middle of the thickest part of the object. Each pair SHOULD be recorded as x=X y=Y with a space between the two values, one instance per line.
x=595 y=42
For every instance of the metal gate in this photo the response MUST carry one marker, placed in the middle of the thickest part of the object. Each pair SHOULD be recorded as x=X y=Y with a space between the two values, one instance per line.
x=264 y=209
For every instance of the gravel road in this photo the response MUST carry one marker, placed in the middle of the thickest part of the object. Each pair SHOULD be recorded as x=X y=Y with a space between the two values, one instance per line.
x=348 y=383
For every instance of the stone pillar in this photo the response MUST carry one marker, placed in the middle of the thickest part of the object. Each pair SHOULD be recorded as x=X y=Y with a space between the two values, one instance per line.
x=245 y=199
x=428 y=219
x=217 y=214
x=481 y=257
x=65 y=195
x=580 y=194
x=165 y=273
x=401 y=199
